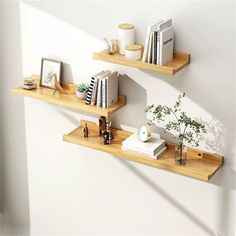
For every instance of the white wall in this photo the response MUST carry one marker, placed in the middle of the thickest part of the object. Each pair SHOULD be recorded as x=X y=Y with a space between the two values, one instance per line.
x=15 y=186
x=75 y=190
x=0 y=111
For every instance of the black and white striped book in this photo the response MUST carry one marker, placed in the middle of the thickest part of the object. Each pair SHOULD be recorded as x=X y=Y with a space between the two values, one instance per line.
x=89 y=95
x=95 y=86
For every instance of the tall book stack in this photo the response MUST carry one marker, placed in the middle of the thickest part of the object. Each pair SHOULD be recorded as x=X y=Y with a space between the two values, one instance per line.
x=154 y=148
x=158 y=47
x=103 y=89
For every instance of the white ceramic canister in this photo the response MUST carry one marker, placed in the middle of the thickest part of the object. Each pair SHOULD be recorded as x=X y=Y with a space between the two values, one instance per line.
x=133 y=52
x=126 y=36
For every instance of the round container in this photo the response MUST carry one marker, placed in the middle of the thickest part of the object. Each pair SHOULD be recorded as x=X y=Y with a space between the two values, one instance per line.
x=126 y=36
x=81 y=95
x=133 y=52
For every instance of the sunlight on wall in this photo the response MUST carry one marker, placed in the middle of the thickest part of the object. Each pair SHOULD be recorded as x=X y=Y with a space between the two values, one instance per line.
x=47 y=36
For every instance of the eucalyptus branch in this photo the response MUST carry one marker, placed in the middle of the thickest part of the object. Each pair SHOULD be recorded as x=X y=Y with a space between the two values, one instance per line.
x=177 y=121
x=192 y=128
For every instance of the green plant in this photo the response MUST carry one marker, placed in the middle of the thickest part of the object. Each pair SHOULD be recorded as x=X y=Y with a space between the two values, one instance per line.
x=185 y=128
x=83 y=88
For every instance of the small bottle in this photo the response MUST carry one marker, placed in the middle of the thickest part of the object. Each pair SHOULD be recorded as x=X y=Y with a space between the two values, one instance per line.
x=108 y=135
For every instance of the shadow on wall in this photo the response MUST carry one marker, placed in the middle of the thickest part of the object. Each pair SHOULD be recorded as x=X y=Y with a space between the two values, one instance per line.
x=166 y=196
x=136 y=101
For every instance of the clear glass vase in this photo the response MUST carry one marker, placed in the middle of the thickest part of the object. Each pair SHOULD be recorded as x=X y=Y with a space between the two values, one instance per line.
x=180 y=154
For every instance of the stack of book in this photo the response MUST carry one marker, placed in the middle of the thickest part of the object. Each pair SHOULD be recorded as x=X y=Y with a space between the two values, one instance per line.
x=158 y=47
x=103 y=89
x=154 y=148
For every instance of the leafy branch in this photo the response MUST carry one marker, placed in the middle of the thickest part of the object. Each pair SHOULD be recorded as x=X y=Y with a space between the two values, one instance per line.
x=187 y=129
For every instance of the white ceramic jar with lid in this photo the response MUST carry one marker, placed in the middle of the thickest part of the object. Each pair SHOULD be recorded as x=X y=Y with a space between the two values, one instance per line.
x=126 y=36
x=133 y=52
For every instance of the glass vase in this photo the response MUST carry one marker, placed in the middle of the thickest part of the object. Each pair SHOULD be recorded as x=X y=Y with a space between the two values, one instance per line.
x=180 y=154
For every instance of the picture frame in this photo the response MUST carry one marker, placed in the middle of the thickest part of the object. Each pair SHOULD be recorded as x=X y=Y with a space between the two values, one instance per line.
x=50 y=69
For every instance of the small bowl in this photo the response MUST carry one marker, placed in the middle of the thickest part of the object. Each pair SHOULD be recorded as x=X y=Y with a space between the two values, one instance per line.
x=81 y=95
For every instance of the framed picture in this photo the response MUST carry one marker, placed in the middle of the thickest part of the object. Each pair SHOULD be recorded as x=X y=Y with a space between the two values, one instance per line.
x=50 y=71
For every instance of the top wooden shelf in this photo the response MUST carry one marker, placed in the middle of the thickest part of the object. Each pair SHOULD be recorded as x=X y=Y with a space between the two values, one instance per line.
x=179 y=62
x=68 y=100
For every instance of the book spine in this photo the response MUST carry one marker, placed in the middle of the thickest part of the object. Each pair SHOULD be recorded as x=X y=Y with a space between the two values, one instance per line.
x=149 y=60
x=158 y=47
x=99 y=93
x=136 y=149
x=145 y=51
x=145 y=150
x=94 y=93
x=89 y=95
x=158 y=155
x=104 y=92
x=155 y=48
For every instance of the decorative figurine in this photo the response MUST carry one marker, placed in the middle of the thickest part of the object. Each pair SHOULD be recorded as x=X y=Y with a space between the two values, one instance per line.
x=108 y=135
x=102 y=125
x=85 y=131
x=56 y=85
x=111 y=45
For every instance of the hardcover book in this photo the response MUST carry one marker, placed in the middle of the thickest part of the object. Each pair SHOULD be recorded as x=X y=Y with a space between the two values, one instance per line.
x=166 y=45
x=151 y=28
x=95 y=87
x=152 y=147
x=89 y=95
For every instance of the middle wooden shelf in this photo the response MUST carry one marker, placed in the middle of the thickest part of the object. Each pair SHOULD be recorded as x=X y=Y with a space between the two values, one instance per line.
x=68 y=100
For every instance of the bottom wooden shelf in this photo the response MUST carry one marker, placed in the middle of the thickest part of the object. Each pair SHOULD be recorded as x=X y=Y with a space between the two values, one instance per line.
x=200 y=165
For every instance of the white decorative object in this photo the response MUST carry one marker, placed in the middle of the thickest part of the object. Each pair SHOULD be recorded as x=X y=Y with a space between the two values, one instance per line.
x=81 y=95
x=144 y=133
x=126 y=36
x=133 y=52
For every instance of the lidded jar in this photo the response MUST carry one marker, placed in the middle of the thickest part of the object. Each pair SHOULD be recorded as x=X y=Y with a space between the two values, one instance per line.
x=126 y=36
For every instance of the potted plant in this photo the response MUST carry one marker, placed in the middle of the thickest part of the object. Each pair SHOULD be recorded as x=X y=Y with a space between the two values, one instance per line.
x=184 y=128
x=82 y=90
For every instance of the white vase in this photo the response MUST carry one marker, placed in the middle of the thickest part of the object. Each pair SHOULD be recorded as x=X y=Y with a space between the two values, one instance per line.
x=81 y=95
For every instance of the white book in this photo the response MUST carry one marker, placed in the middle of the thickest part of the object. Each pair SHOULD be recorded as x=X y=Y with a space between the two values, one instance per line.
x=160 y=27
x=146 y=147
x=166 y=45
x=164 y=24
x=89 y=95
x=159 y=154
x=104 y=93
x=150 y=29
x=150 y=48
x=112 y=89
x=99 y=93
x=155 y=157
x=95 y=87
x=138 y=149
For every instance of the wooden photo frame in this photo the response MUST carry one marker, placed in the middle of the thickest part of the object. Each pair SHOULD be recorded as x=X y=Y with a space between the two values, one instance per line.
x=50 y=71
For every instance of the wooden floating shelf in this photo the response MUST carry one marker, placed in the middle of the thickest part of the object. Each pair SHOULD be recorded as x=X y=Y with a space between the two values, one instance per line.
x=68 y=100
x=179 y=62
x=200 y=165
